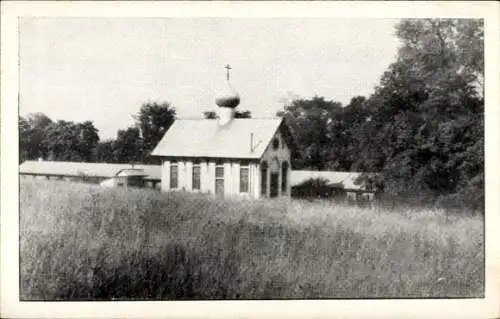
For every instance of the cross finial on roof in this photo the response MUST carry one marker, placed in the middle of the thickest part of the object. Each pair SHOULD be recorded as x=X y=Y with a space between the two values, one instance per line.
x=227 y=67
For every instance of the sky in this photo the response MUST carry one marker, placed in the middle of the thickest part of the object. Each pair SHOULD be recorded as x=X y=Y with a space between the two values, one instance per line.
x=104 y=69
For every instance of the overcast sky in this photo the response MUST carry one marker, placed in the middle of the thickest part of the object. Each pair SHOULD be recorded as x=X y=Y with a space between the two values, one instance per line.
x=102 y=70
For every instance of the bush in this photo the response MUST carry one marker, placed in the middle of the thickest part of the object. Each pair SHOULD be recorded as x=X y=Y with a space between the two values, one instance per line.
x=317 y=188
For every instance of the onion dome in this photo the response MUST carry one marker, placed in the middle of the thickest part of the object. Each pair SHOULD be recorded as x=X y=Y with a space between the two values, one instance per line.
x=227 y=97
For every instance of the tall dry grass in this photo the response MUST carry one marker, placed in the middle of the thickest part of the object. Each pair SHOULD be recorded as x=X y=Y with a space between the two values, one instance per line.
x=82 y=242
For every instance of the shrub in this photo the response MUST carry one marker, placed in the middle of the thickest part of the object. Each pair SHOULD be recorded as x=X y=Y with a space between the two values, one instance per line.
x=317 y=188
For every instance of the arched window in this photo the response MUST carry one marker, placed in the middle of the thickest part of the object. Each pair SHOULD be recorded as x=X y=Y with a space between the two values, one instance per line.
x=276 y=143
x=263 y=178
x=219 y=177
x=284 y=176
x=244 y=177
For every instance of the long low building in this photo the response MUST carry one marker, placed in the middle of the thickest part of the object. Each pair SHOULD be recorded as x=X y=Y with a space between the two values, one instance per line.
x=117 y=175
x=112 y=174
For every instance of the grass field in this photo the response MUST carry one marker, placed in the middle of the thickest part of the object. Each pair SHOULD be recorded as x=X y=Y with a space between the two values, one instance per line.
x=81 y=242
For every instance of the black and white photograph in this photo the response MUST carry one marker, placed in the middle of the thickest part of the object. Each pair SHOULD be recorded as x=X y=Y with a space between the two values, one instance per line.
x=250 y=158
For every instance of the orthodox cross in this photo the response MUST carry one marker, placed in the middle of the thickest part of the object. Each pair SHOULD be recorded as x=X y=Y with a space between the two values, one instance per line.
x=227 y=67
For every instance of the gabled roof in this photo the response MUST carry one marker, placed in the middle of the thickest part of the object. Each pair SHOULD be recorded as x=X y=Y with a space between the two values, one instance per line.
x=207 y=138
x=86 y=169
x=347 y=179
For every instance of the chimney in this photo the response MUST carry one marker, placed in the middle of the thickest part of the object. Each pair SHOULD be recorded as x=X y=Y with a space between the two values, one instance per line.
x=251 y=142
x=226 y=114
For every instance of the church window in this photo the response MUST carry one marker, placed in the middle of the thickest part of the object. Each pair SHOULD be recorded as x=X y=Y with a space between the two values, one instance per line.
x=219 y=172
x=196 y=176
x=263 y=178
x=219 y=178
x=284 y=176
x=276 y=143
x=244 y=178
x=174 y=175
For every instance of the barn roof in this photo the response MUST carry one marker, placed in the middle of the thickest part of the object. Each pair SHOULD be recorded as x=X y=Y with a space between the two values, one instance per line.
x=206 y=138
x=347 y=179
x=85 y=169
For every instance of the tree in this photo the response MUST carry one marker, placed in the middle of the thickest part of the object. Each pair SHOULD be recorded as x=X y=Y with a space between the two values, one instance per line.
x=211 y=115
x=423 y=126
x=62 y=140
x=31 y=136
x=69 y=141
x=38 y=121
x=153 y=120
x=357 y=123
x=444 y=52
x=40 y=137
x=26 y=149
x=427 y=112
x=246 y=114
x=128 y=146
x=88 y=140
x=105 y=152
x=316 y=123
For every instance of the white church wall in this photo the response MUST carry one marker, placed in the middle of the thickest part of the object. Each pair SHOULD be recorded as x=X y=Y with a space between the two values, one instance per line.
x=204 y=177
x=165 y=176
x=273 y=157
x=188 y=175
x=183 y=175
x=207 y=177
x=234 y=177
x=255 y=180
x=210 y=177
x=279 y=155
x=228 y=179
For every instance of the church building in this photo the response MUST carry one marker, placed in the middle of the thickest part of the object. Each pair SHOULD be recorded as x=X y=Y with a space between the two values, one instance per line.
x=227 y=156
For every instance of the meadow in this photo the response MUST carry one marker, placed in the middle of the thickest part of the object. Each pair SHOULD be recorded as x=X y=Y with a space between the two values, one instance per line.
x=82 y=242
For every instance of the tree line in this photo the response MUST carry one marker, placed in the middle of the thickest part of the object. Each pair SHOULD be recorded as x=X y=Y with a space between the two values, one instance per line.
x=421 y=130
x=41 y=137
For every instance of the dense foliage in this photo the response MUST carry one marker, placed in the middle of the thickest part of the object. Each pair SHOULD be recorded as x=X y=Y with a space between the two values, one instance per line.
x=317 y=188
x=422 y=128
x=40 y=137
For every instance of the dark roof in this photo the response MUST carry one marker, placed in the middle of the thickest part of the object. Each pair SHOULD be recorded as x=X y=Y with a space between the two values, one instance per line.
x=207 y=138
x=86 y=169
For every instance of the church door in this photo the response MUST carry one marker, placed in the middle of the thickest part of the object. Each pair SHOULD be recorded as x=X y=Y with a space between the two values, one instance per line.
x=274 y=185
